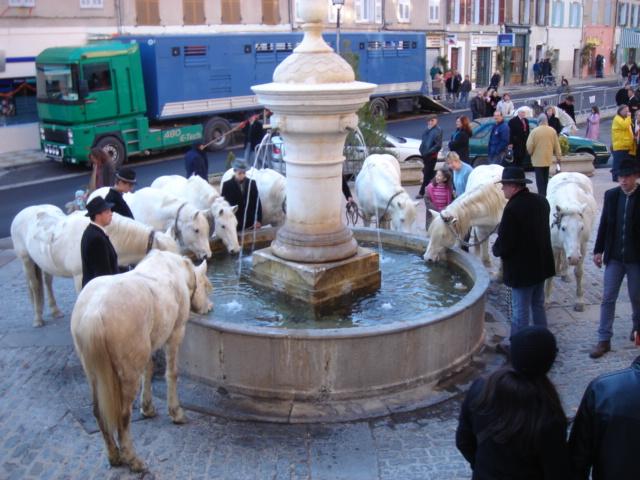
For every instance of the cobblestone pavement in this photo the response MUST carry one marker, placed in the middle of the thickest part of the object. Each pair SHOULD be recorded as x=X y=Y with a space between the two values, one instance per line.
x=47 y=430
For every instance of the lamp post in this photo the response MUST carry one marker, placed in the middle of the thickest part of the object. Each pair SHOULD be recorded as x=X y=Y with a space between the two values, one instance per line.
x=338 y=4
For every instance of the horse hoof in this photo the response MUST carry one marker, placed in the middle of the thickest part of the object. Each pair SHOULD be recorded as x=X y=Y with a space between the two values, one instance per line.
x=148 y=411
x=137 y=466
x=178 y=416
x=566 y=278
x=38 y=322
x=579 y=307
x=114 y=459
x=57 y=314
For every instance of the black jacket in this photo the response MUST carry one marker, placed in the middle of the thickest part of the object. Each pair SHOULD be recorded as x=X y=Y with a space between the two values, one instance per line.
x=196 y=162
x=570 y=109
x=98 y=255
x=495 y=81
x=555 y=124
x=491 y=460
x=478 y=107
x=119 y=205
x=518 y=135
x=607 y=228
x=622 y=97
x=232 y=193
x=524 y=241
x=253 y=133
x=460 y=144
x=606 y=431
x=431 y=142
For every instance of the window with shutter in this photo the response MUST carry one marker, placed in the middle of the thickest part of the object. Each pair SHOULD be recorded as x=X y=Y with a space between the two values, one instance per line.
x=231 y=12
x=434 y=11
x=404 y=11
x=541 y=14
x=271 y=12
x=378 y=11
x=193 y=12
x=147 y=12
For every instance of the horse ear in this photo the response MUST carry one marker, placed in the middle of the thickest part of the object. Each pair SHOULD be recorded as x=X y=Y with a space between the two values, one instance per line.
x=234 y=209
x=434 y=214
x=171 y=232
x=558 y=209
x=220 y=212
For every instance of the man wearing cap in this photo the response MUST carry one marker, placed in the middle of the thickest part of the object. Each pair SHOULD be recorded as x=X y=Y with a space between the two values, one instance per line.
x=98 y=255
x=125 y=183
x=542 y=145
x=242 y=192
x=524 y=245
x=618 y=248
x=429 y=148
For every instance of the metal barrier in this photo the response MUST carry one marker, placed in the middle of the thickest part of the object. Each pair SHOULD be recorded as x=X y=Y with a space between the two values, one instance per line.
x=603 y=98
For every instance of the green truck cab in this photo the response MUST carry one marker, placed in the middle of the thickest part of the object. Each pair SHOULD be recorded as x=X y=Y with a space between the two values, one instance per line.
x=93 y=96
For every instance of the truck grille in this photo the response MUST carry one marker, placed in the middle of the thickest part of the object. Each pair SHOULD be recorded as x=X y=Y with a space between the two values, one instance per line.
x=58 y=136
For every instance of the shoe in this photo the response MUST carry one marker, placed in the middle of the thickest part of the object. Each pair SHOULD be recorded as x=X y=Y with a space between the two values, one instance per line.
x=600 y=349
x=419 y=196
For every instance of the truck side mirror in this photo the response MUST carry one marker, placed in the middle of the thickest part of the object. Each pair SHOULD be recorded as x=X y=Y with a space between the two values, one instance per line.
x=83 y=89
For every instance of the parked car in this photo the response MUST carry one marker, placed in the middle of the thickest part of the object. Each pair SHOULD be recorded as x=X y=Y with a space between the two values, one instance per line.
x=479 y=142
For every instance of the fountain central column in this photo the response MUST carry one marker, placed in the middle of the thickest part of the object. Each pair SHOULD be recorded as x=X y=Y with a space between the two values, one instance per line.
x=314 y=98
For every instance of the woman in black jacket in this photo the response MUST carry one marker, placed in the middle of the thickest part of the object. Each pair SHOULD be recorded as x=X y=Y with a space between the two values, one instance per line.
x=459 y=142
x=554 y=122
x=512 y=425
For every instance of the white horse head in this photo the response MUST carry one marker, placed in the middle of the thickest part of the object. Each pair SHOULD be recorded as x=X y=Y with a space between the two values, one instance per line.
x=441 y=235
x=570 y=225
x=200 y=289
x=166 y=241
x=225 y=224
x=402 y=211
x=192 y=230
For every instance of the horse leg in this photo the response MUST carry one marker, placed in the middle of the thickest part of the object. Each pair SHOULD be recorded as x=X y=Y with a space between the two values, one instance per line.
x=34 y=282
x=579 y=305
x=77 y=283
x=147 y=409
x=129 y=384
x=175 y=410
x=112 y=449
x=484 y=247
x=53 y=306
x=548 y=288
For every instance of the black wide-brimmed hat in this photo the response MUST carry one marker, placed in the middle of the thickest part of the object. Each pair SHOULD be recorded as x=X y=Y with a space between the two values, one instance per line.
x=533 y=351
x=98 y=205
x=514 y=175
x=126 y=175
x=628 y=166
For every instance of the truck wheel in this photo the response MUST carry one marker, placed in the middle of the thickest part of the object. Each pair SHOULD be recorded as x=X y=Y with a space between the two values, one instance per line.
x=215 y=129
x=114 y=148
x=379 y=107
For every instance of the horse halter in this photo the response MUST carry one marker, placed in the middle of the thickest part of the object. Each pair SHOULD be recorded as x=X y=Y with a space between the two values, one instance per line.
x=557 y=220
x=175 y=224
x=152 y=237
x=461 y=240
x=386 y=210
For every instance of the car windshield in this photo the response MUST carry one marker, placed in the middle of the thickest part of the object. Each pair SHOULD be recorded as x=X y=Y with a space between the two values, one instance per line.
x=56 y=82
x=482 y=131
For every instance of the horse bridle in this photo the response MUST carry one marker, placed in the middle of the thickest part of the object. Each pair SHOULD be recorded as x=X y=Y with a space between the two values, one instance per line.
x=175 y=224
x=386 y=210
x=461 y=240
x=152 y=236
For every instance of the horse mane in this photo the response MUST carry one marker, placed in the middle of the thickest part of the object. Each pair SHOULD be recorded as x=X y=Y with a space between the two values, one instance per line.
x=129 y=232
x=484 y=200
x=201 y=186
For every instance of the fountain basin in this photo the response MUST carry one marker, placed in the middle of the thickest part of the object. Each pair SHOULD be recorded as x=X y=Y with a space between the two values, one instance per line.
x=335 y=374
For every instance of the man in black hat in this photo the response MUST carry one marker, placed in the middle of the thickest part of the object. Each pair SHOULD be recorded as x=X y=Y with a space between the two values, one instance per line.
x=125 y=183
x=98 y=255
x=524 y=245
x=618 y=248
x=242 y=192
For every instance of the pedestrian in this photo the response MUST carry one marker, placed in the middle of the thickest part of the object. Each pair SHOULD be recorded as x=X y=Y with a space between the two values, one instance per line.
x=524 y=245
x=606 y=431
x=634 y=102
x=494 y=99
x=542 y=145
x=97 y=253
x=196 y=161
x=125 y=183
x=564 y=86
x=494 y=83
x=465 y=88
x=593 y=124
x=568 y=106
x=461 y=171
x=435 y=70
x=518 y=134
x=440 y=190
x=505 y=105
x=242 y=192
x=429 y=148
x=622 y=95
x=512 y=425
x=459 y=142
x=498 y=140
x=633 y=73
x=618 y=248
x=537 y=71
x=546 y=69
x=452 y=84
x=599 y=66
x=552 y=120
x=102 y=170
x=477 y=105
x=253 y=134
x=624 y=71
x=437 y=86
x=622 y=139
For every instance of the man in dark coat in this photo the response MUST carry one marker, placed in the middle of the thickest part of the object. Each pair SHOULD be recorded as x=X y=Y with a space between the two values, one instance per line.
x=524 y=246
x=495 y=81
x=622 y=96
x=97 y=253
x=568 y=106
x=606 y=431
x=253 y=133
x=125 y=183
x=196 y=161
x=429 y=148
x=618 y=248
x=477 y=106
x=518 y=134
x=242 y=192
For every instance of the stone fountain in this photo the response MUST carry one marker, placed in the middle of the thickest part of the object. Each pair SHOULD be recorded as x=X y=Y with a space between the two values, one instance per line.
x=314 y=98
x=283 y=373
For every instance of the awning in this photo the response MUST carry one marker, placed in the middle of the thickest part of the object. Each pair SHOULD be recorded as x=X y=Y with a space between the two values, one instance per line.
x=630 y=38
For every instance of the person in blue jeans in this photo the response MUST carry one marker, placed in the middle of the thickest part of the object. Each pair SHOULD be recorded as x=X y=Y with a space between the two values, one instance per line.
x=618 y=248
x=498 y=140
x=524 y=246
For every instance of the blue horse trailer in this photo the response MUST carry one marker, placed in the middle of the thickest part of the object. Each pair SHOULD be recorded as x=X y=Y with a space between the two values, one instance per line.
x=208 y=78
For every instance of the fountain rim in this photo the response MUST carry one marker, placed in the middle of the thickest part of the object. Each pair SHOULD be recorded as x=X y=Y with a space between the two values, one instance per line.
x=467 y=261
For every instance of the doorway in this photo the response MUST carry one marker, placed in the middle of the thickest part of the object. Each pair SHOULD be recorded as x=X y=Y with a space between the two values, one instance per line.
x=483 y=74
x=516 y=62
x=576 y=62
x=453 y=63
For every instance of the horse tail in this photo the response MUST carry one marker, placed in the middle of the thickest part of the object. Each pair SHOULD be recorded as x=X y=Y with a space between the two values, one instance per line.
x=103 y=377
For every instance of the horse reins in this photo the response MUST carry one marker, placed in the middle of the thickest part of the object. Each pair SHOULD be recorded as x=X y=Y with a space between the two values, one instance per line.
x=175 y=224
x=386 y=210
x=152 y=236
x=352 y=213
x=462 y=241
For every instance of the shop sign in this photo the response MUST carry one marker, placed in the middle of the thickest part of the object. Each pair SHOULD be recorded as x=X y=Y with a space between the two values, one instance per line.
x=483 y=41
x=434 y=41
x=452 y=39
x=506 y=39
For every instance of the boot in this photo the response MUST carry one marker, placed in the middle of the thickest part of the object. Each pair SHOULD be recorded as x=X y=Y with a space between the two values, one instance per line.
x=600 y=349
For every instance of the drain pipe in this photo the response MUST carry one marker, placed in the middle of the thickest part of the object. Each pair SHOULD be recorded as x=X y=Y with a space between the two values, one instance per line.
x=119 y=15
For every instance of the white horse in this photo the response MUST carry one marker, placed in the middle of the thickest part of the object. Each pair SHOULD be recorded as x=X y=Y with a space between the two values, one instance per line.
x=573 y=211
x=202 y=195
x=480 y=207
x=271 y=190
x=48 y=243
x=115 y=334
x=162 y=210
x=381 y=196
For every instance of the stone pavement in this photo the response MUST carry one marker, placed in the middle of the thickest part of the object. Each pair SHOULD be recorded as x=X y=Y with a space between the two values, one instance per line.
x=47 y=430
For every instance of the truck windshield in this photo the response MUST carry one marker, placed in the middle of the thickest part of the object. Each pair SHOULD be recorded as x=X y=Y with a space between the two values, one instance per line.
x=57 y=83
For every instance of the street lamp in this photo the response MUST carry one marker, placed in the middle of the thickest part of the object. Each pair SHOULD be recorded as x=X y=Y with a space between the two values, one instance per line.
x=338 y=4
